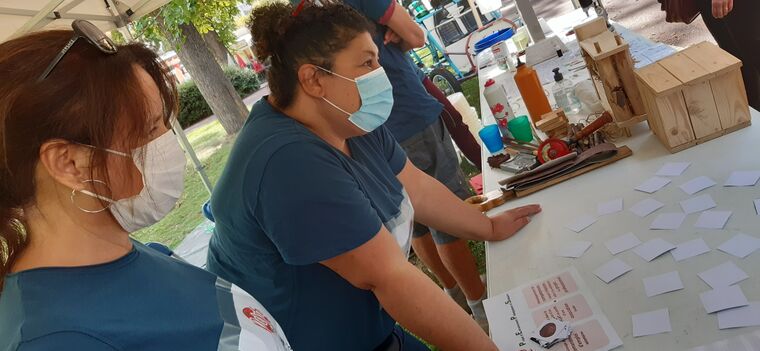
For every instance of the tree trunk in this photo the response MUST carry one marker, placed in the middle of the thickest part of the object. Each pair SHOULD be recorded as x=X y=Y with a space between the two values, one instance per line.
x=217 y=48
x=210 y=79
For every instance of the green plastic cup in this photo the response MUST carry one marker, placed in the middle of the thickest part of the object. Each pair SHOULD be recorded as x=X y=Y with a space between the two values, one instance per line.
x=520 y=128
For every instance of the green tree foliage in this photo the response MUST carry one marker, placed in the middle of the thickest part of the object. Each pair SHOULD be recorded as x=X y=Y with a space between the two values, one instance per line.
x=205 y=15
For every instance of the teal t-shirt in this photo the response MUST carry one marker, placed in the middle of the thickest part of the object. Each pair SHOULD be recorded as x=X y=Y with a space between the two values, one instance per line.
x=286 y=201
x=145 y=300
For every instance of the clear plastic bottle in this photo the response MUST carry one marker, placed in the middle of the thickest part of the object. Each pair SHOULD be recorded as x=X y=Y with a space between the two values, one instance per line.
x=564 y=94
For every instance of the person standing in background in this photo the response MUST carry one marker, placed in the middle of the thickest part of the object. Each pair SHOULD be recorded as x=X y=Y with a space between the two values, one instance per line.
x=453 y=120
x=415 y=122
x=736 y=28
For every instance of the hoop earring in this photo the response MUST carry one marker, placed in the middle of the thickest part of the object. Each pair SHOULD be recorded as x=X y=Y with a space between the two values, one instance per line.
x=87 y=192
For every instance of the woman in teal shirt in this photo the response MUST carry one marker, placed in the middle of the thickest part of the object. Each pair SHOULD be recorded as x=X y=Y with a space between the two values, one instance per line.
x=314 y=209
x=86 y=158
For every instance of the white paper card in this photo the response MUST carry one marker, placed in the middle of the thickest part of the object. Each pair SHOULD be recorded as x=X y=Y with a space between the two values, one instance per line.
x=611 y=270
x=574 y=250
x=622 y=243
x=650 y=323
x=697 y=184
x=653 y=184
x=723 y=275
x=713 y=219
x=747 y=316
x=644 y=207
x=667 y=221
x=581 y=223
x=743 y=178
x=723 y=298
x=757 y=207
x=698 y=204
x=673 y=169
x=653 y=249
x=690 y=249
x=741 y=245
x=662 y=283
x=609 y=207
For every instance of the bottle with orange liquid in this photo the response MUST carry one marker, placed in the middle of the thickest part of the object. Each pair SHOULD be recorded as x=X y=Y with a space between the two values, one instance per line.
x=532 y=91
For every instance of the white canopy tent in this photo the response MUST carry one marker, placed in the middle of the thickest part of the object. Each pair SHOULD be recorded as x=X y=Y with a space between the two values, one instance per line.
x=22 y=16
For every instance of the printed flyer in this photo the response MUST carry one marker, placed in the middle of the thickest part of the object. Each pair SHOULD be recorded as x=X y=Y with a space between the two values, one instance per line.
x=514 y=315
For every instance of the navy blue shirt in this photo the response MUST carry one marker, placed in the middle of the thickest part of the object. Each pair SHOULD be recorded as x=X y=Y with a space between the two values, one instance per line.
x=145 y=300
x=413 y=108
x=286 y=201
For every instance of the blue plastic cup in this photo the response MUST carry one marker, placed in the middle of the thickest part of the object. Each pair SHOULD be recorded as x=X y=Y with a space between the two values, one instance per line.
x=492 y=138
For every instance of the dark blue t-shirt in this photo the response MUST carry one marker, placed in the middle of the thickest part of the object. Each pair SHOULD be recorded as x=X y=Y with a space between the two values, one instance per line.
x=413 y=108
x=286 y=201
x=145 y=300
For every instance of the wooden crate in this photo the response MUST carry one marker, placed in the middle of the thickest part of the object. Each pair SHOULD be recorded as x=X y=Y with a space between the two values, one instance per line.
x=694 y=96
x=609 y=62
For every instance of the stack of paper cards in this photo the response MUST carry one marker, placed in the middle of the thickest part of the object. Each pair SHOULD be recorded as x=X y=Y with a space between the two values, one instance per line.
x=723 y=298
x=697 y=184
x=698 y=204
x=668 y=221
x=645 y=207
x=622 y=243
x=747 y=316
x=651 y=323
x=581 y=223
x=662 y=283
x=743 y=178
x=653 y=249
x=673 y=169
x=689 y=249
x=723 y=275
x=609 y=207
x=712 y=219
x=741 y=245
x=611 y=270
x=574 y=250
x=653 y=184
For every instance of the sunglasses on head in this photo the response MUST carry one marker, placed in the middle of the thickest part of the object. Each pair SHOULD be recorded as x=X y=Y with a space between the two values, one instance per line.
x=91 y=33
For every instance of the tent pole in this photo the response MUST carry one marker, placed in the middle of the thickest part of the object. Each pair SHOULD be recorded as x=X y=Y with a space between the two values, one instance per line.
x=180 y=133
x=476 y=13
x=531 y=21
x=44 y=12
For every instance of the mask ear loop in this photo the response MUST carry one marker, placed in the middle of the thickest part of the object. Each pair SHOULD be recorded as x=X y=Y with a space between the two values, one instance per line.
x=89 y=193
x=330 y=102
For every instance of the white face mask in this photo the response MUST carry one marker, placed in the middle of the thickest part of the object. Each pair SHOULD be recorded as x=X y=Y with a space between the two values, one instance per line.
x=163 y=171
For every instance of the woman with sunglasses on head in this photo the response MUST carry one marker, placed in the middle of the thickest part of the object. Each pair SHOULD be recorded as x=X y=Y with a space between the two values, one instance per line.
x=314 y=209
x=86 y=158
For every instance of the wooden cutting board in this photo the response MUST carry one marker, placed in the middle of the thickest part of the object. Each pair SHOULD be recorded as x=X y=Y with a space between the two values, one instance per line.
x=498 y=197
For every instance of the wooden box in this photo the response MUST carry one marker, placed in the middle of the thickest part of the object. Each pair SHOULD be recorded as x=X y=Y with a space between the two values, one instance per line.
x=694 y=96
x=609 y=62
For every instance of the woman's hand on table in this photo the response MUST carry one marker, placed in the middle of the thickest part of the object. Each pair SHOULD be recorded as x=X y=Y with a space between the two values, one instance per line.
x=510 y=222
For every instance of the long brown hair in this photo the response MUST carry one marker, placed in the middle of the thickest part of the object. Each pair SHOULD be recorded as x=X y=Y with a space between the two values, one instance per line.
x=83 y=100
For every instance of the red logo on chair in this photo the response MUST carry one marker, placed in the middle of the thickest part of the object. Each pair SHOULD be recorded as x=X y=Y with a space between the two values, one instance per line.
x=258 y=318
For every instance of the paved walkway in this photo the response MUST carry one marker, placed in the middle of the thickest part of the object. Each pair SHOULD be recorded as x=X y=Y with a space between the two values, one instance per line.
x=641 y=16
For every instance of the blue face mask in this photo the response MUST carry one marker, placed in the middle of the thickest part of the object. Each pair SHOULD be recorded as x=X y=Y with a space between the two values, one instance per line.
x=376 y=95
